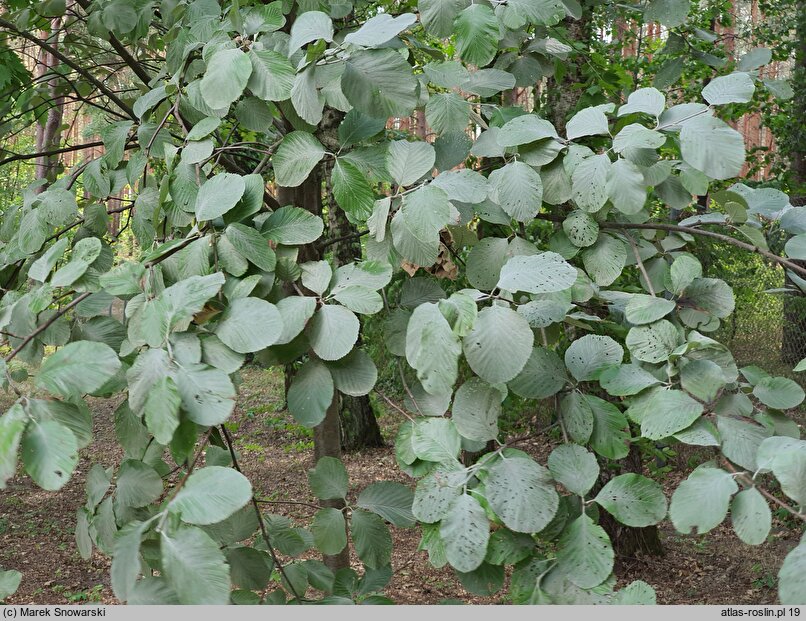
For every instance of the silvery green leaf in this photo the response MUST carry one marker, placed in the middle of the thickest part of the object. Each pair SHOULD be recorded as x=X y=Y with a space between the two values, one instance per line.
x=432 y=349
x=475 y=411
x=380 y=29
x=195 y=567
x=310 y=393
x=587 y=122
x=523 y=130
x=211 y=495
x=700 y=503
x=791 y=589
x=589 y=182
x=751 y=516
x=585 y=553
x=499 y=345
x=310 y=26
x=654 y=342
x=249 y=325
x=647 y=100
x=626 y=380
x=521 y=493
x=225 y=79
x=733 y=88
x=408 y=161
x=545 y=272
x=465 y=532
x=586 y=357
x=633 y=500
x=574 y=468
x=712 y=147
x=296 y=157
x=543 y=375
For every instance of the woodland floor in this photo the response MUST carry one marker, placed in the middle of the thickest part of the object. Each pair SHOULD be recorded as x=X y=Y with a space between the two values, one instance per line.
x=36 y=527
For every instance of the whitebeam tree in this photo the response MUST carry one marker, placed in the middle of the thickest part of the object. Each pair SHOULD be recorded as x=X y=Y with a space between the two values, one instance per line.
x=245 y=118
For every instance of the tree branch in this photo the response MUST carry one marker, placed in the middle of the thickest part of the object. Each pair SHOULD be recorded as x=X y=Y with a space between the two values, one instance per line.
x=172 y=251
x=124 y=54
x=262 y=524
x=640 y=264
x=40 y=329
x=676 y=228
x=329 y=242
x=705 y=233
x=29 y=156
x=748 y=480
x=70 y=63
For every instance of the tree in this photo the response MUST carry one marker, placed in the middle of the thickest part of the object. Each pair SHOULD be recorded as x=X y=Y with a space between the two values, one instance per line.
x=245 y=115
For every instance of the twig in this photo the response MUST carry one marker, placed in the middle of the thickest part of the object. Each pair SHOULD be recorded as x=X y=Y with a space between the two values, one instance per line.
x=124 y=54
x=46 y=325
x=640 y=263
x=172 y=251
x=676 y=228
x=534 y=434
x=30 y=156
x=394 y=405
x=288 y=502
x=747 y=479
x=262 y=524
x=329 y=242
x=406 y=387
x=184 y=479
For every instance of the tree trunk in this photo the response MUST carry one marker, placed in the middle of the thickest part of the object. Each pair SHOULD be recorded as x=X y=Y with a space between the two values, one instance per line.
x=629 y=540
x=793 y=342
x=359 y=425
x=48 y=133
x=561 y=97
x=327 y=443
x=326 y=435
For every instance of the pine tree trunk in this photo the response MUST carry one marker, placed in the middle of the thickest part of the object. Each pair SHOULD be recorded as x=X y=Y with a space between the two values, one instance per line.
x=48 y=133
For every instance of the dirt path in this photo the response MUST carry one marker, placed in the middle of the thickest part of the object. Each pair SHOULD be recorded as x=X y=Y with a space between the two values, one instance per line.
x=36 y=527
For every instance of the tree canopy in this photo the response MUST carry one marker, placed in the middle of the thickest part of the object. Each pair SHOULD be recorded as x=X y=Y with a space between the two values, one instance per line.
x=511 y=249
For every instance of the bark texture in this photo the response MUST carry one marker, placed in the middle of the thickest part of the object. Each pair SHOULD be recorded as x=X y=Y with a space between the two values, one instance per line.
x=629 y=540
x=48 y=130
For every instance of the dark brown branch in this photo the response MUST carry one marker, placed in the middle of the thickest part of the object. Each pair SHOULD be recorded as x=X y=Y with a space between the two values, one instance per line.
x=29 y=156
x=40 y=329
x=329 y=242
x=719 y=236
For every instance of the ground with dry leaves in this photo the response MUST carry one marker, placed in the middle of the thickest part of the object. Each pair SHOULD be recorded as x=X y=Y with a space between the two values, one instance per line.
x=36 y=527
